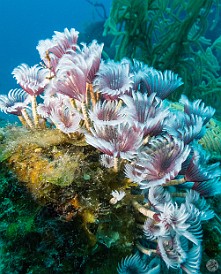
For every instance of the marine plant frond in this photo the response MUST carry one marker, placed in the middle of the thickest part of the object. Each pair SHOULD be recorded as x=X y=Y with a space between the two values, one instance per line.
x=217 y=43
x=211 y=141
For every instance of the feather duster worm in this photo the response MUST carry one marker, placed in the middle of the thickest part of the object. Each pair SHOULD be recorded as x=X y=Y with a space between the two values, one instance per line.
x=145 y=113
x=16 y=103
x=160 y=162
x=119 y=141
x=33 y=80
x=113 y=79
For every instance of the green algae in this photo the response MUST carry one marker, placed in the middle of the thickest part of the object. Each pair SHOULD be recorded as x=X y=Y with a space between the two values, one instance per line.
x=171 y=35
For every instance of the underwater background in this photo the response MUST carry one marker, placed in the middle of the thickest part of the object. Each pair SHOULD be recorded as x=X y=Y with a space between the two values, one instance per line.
x=23 y=23
x=110 y=138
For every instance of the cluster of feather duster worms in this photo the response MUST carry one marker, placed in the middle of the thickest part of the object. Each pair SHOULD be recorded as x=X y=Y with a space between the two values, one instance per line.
x=120 y=108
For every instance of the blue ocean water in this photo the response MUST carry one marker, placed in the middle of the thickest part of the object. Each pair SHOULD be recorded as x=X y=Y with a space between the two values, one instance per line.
x=23 y=23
